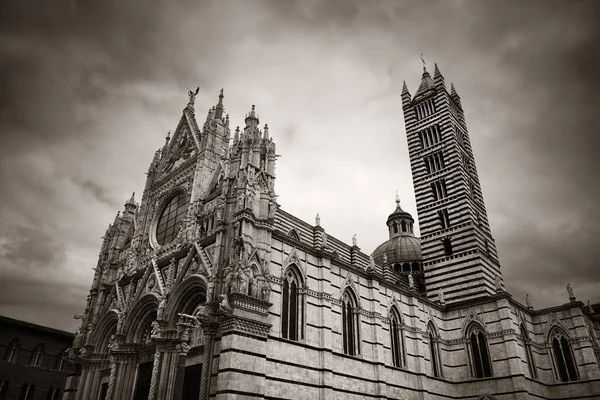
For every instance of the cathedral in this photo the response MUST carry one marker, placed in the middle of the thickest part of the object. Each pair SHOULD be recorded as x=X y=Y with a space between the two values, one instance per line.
x=208 y=289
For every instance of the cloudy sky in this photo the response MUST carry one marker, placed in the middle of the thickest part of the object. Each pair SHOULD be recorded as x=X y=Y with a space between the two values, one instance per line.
x=89 y=89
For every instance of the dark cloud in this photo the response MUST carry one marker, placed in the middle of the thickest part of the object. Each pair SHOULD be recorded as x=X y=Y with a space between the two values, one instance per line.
x=98 y=192
x=88 y=90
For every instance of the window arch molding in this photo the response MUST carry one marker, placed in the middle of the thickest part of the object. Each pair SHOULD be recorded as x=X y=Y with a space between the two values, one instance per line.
x=478 y=351
x=528 y=352
x=190 y=293
x=106 y=327
x=434 y=350
x=397 y=340
x=563 y=359
x=136 y=320
x=293 y=303
x=158 y=213
x=350 y=322
x=12 y=350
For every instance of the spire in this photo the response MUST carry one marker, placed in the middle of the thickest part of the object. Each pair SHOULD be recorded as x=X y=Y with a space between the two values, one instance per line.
x=406 y=97
x=427 y=84
x=266 y=132
x=453 y=91
x=438 y=78
x=131 y=200
x=219 y=108
x=236 y=136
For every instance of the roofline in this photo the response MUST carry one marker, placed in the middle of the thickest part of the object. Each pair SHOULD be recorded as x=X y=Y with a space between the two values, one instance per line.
x=36 y=326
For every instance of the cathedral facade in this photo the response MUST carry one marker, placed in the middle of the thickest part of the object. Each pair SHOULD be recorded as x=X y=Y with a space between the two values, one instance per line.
x=208 y=289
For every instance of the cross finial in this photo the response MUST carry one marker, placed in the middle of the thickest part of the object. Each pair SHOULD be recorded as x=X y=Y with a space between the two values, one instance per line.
x=397 y=198
x=423 y=61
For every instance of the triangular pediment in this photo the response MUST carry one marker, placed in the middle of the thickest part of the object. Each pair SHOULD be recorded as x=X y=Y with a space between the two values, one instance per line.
x=182 y=147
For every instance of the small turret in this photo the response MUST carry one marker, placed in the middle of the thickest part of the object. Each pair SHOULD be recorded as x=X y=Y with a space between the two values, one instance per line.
x=130 y=205
x=219 y=108
x=406 y=97
x=453 y=95
x=266 y=132
x=251 y=119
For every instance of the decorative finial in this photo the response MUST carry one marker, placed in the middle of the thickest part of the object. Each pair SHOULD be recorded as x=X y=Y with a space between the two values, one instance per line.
x=570 y=291
x=318 y=220
x=423 y=61
x=397 y=199
x=168 y=137
x=132 y=199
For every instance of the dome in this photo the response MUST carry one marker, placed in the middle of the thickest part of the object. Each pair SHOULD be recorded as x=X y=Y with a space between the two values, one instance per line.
x=402 y=245
x=399 y=249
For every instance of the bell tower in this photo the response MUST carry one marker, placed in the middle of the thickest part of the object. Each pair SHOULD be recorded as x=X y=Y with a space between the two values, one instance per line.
x=459 y=253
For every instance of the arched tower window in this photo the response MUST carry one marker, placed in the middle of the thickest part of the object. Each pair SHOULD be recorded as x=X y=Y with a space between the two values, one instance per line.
x=170 y=218
x=481 y=364
x=564 y=362
x=403 y=224
x=350 y=323
x=528 y=352
x=397 y=339
x=12 y=350
x=434 y=353
x=292 y=307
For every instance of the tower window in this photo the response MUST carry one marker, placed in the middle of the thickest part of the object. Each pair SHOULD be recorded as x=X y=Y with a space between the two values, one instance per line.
x=439 y=190
x=434 y=162
x=436 y=367
x=292 y=306
x=480 y=356
x=460 y=137
x=397 y=339
x=564 y=362
x=447 y=242
x=444 y=218
x=350 y=324
x=403 y=224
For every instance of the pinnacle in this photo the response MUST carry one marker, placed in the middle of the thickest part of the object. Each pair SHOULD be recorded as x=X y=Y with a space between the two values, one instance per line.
x=436 y=71
x=452 y=90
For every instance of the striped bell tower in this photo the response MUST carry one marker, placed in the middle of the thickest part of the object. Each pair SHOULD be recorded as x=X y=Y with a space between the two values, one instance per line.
x=459 y=254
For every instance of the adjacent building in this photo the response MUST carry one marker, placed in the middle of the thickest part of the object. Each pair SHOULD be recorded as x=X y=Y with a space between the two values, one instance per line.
x=34 y=361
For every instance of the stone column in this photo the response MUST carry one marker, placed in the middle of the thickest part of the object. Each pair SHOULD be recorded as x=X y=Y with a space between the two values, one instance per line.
x=81 y=383
x=209 y=340
x=111 y=380
x=155 y=369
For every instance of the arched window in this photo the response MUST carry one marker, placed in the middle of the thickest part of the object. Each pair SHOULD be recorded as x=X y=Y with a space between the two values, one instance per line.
x=397 y=339
x=4 y=385
x=403 y=224
x=528 y=353
x=292 y=307
x=27 y=391
x=434 y=353
x=481 y=363
x=37 y=356
x=170 y=218
x=564 y=363
x=350 y=323
x=12 y=350
x=61 y=360
x=53 y=393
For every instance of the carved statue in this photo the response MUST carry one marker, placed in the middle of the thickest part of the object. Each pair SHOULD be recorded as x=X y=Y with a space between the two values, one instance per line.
x=192 y=96
x=265 y=290
x=224 y=304
x=385 y=259
x=498 y=283
x=83 y=352
x=570 y=291
x=194 y=265
x=202 y=314
x=528 y=301
x=371 y=261
x=354 y=240
x=155 y=328
x=318 y=220
x=160 y=313
x=411 y=281
x=112 y=344
x=441 y=296
x=253 y=287
x=241 y=197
